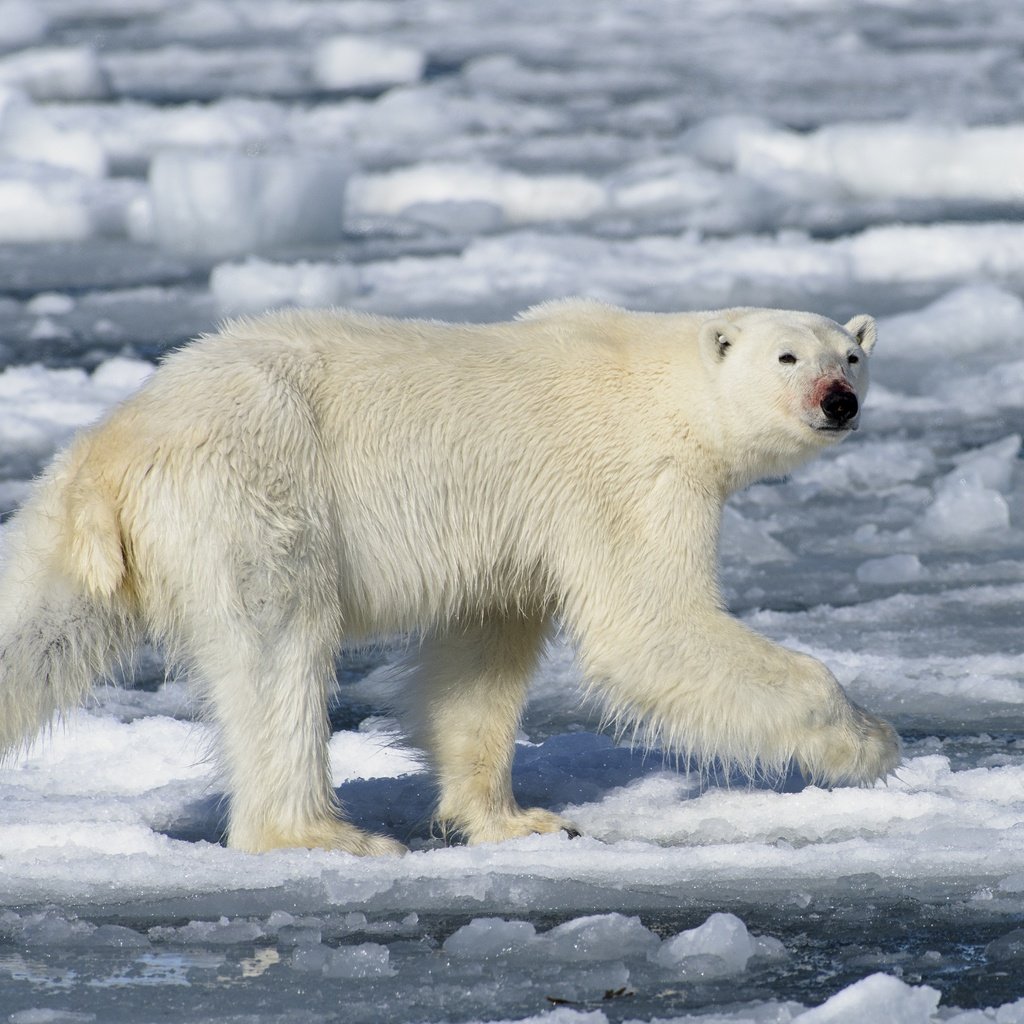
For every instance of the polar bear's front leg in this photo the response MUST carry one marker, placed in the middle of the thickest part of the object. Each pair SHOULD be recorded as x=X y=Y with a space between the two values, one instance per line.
x=718 y=691
x=466 y=700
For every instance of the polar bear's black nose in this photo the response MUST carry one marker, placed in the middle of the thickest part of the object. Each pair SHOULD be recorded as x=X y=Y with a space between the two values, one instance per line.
x=839 y=406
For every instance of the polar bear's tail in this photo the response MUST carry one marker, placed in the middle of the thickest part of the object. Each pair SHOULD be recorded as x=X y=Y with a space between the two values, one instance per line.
x=66 y=614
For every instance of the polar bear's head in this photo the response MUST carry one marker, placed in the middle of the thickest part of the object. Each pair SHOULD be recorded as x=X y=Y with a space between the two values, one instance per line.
x=787 y=384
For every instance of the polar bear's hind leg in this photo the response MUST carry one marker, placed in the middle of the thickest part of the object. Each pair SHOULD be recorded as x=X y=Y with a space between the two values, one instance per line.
x=466 y=700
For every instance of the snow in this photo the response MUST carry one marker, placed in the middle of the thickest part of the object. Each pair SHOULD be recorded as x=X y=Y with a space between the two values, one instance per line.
x=165 y=164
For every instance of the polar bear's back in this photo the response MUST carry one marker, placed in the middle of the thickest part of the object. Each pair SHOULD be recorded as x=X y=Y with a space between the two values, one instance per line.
x=451 y=466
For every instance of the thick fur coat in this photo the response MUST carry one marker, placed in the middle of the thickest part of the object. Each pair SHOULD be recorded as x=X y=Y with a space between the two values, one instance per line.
x=309 y=478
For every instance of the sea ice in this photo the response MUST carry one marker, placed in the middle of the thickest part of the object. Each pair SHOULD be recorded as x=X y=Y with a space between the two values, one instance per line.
x=21 y=23
x=27 y=135
x=499 y=155
x=600 y=937
x=521 y=198
x=723 y=937
x=367 y=960
x=490 y=936
x=971 y=318
x=968 y=501
x=877 y=997
x=355 y=62
x=894 y=159
x=256 y=285
x=54 y=73
x=891 y=569
x=209 y=204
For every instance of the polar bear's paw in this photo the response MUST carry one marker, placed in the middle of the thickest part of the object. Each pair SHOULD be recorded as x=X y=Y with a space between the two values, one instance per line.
x=369 y=844
x=857 y=749
x=327 y=835
x=520 y=822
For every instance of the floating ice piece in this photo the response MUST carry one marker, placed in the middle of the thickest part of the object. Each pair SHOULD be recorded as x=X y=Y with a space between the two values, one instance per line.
x=933 y=252
x=898 y=159
x=971 y=318
x=522 y=198
x=50 y=304
x=222 y=932
x=120 y=376
x=56 y=73
x=964 y=508
x=43 y=203
x=40 y=408
x=357 y=62
x=600 y=937
x=27 y=135
x=485 y=937
x=877 y=465
x=671 y=183
x=219 y=203
x=717 y=140
x=559 y=1015
x=968 y=501
x=892 y=569
x=196 y=72
x=368 y=960
x=749 y=541
x=723 y=937
x=878 y=997
x=43 y=208
x=991 y=465
x=256 y=285
x=21 y=23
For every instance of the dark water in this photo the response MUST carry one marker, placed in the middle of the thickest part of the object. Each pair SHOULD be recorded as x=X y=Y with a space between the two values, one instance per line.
x=974 y=960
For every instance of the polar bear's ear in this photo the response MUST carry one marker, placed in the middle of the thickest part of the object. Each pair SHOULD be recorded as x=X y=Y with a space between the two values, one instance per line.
x=716 y=338
x=864 y=331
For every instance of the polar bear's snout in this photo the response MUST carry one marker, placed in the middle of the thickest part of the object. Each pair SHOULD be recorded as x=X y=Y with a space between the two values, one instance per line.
x=840 y=407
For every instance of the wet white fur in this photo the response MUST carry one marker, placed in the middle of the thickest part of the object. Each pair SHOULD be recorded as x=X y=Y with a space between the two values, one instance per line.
x=308 y=478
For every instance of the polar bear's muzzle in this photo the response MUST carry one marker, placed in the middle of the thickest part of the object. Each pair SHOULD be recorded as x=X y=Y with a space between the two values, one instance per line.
x=840 y=407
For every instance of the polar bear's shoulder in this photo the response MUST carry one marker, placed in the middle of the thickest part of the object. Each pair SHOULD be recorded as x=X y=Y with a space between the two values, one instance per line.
x=576 y=308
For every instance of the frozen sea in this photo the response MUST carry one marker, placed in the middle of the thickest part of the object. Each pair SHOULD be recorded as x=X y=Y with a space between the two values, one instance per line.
x=165 y=163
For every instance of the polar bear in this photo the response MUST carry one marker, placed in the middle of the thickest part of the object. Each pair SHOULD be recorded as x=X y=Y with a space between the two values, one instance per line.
x=308 y=478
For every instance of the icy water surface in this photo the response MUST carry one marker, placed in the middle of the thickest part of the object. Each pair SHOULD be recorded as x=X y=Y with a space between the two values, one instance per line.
x=163 y=165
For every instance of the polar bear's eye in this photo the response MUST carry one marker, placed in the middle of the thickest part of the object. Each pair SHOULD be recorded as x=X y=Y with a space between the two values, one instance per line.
x=787 y=357
x=853 y=359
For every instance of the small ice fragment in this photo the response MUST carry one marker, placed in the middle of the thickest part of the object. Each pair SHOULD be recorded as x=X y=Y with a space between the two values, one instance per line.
x=50 y=304
x=892 y=569
x=722 y=936
x=368 y=960
x=964 y=508
x=600 y=937
x=211 y=203
x=489 y=936
x=256 y=285
x=356 y=62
